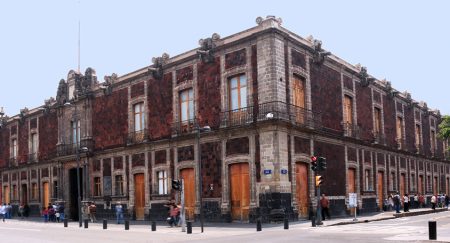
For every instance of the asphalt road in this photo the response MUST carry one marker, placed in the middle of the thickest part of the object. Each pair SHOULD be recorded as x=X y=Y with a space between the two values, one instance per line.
x=414 y=229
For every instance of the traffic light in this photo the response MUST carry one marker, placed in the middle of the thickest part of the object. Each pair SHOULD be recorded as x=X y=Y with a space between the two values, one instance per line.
x=176 y=185
x=319 y=180
x=321 y=164
x=314 y=163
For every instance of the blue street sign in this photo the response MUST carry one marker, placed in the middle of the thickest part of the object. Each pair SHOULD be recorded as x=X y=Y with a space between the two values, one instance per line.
x=267 y=172
x=283 y=171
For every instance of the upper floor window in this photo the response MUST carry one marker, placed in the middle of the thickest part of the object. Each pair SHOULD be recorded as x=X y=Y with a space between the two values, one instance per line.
x=34 y=143
x=139 y=120
x=433 y=141
x=299 y=92
x=119 y=185
x=76 y=132
x=413 y=182
x=393 y=182
x=162 y=182
x=399 y=130
x=34 y=191
x=238 y=92
x=187 y=104
x=367 y=180
x=14 y=148
x=15 y=195
x=97 y=186
x=418 y=135
x=377 y=120
x=348 y=109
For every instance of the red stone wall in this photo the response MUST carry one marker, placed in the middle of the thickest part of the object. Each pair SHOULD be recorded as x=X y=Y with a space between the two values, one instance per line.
x=237 y=146
x=409 y=129
x=389 y=120
x=138 y=160
x=137 y=90
x=334 y=175
x=185 y=153
x=302 y=145
x=23 y=142
x=110 y=120
x=184 y=74
x=161 y=157
x=211 y=169
x=160 y=113
x=364 y=111
x=326 y=95
x=209 y=93
x=235 y=59
x=348 y=82
x=48 y=135
x=351 y=154
x=118 y=163
x=426 y=135
x=4 y=147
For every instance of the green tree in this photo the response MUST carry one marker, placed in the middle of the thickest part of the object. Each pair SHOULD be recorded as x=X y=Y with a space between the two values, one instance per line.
x=444 y=129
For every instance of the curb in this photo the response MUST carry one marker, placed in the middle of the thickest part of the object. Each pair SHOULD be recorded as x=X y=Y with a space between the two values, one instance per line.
x=396 y=215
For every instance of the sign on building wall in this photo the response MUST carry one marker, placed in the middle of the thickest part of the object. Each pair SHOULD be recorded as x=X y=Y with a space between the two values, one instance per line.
x=352 y=200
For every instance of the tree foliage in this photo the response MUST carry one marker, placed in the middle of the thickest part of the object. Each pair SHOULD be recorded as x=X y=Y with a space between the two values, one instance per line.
x=444 y=128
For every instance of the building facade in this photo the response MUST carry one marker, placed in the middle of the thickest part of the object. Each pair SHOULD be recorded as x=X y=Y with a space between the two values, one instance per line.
x=271 y=100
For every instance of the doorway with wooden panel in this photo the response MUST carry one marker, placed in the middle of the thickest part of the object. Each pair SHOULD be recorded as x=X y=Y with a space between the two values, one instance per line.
x=239 y=191
x=139 y=196
x=6 y=194
x=402 y=185
x=420 y=186
x=380 y=191
x=188 y=177
x=301 y=182
x=24 y=196
x=351 y=184
x=45 y=194
x=299 y=99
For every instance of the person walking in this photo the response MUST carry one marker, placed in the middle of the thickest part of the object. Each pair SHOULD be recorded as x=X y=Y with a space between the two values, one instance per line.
x=325 y=203
x=416 y=201
x=61 y=211
x=8 y=211
x=119 y=212
x=433 y=202
x=406 y=203
x=45 y=214
x=92 y=211
x=397 y=202
x=421 y=201
x=3 y=212
x=174 y=215
x=21 y=211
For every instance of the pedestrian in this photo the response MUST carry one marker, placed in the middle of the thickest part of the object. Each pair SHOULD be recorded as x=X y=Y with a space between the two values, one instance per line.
x=26 y=210
x=173 y=215
x=433 y=202
x=416 y=201
x=21 y=211
x=92 y=211
x=447 y=200
x=51 y=213
x=61 y=211
x=119 y=212
x=8 y=211
x=406 y=203
x=3 y=212
x=421 y=201
x=391 y=202
x=397 y=202
x=325 y=203
x=45 y=214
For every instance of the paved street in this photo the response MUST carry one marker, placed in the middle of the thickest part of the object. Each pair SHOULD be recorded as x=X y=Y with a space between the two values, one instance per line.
x=414 y=228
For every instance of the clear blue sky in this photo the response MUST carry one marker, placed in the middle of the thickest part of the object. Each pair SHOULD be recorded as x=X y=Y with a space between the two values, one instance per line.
x=406 y=42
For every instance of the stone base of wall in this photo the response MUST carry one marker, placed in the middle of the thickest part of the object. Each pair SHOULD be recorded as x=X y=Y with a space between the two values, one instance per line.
x=158 y=212
x=273 y=207
x=369 y=205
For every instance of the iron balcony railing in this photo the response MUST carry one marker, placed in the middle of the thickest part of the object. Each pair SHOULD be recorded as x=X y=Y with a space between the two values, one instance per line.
x=183 y=127
x=275 y=110
x=351 y=130
x=71 y=149
x=136 y=137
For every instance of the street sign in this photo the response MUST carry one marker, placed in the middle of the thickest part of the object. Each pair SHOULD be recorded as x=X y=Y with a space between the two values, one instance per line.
x=267 y=172
x=284 y=171
x=352 y=200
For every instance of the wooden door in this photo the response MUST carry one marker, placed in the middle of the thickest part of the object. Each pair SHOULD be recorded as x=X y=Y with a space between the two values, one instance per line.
x=188 y=177
x=351 y=184
x=24 y=192
x=435 y=186
x=301 y=182
x=6 y=195
x=139 y=196
x=380 y=189
x=45 y=194
x=420 y=188
x=240 y=191
x=299 y=99
x=402 y=185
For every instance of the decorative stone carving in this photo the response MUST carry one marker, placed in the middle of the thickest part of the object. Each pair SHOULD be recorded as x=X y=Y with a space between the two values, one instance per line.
x=207 y=46
x=22 y=114
x=319 y=54
x=156 y=70
x=366 y=80
x=261 y=20
x=107 y=86
x=84 y=84
x=388 y=87
x=61 y=95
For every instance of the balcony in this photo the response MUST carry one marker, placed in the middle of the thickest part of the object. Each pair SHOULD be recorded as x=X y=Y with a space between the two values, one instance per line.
x=379 y=138
x=71 y=149
x=271 y=111
x=183 y=127
x=33 y=157
x=351 y=130
x=137 y=137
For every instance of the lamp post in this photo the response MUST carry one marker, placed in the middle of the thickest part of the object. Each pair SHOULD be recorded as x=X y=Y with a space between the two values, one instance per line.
x=200 y=130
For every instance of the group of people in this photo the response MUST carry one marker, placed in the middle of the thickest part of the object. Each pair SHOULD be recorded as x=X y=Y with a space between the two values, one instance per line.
x=174 y=214
x=417 y=201
x=440 y=201
x=5 y=211
x=53 y=212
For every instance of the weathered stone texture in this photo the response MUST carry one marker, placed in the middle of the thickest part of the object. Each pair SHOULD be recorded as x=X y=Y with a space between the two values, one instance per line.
x=209 y=106
x=235 y=59
x=161 y=157
x=389 y=121
x=118 y=163
x=185 y=153
x=4 y=147
x=335 y=171
x=48 y=137
x=107 y=167
x=426 y=135
x=23 y=143
x=110 y=119
x=348 y=82
x=138 y=160
x=364 y=112
x=298 y=59
x=184 y=74
x=160 y=114
x=238 y=146
x=409 y=129
x=137 y=90
x=302 y=145
x=211 y=169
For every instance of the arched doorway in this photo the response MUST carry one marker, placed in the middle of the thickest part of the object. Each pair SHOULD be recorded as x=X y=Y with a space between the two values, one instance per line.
x=139 y=196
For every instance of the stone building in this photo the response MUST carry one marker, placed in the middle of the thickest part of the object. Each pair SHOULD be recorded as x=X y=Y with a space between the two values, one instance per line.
x=271 y=100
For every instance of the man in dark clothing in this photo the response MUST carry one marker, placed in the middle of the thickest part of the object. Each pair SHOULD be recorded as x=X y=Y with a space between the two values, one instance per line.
x=325 y=203
x=397 y=203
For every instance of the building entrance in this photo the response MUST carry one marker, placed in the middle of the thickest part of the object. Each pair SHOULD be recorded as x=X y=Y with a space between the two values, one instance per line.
x=73 y=185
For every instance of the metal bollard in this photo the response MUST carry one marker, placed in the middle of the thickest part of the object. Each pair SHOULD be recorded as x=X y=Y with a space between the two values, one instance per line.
x=313 y=221
x=286 y=223
x=86 y=223
x=432 y=230
x=127 y=225
x=153 y=226
x=258 y=225
x=65 y=223
x=189 y=227
x=105 y=224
